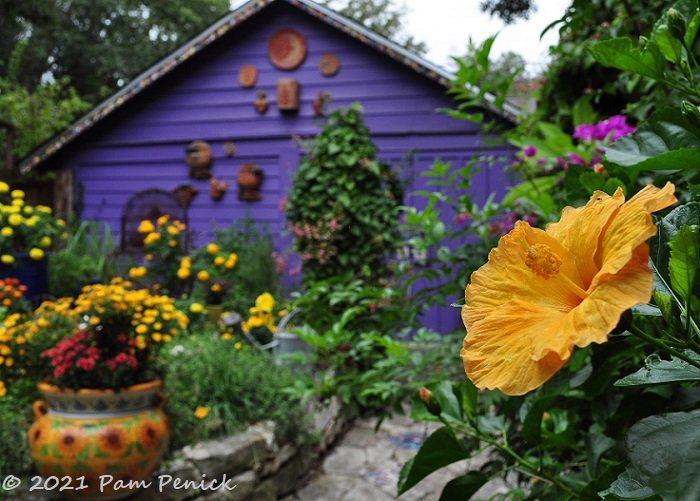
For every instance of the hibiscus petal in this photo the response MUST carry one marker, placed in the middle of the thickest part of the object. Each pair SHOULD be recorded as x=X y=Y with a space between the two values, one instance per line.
x=580 y=230
x=632 y=226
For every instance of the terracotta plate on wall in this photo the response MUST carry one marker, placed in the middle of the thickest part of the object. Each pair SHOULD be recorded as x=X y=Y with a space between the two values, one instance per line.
x=247 y=76
x=286 y=49
x=329 y=65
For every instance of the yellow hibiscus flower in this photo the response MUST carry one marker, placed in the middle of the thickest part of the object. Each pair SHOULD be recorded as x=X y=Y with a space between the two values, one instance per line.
x=544 y=292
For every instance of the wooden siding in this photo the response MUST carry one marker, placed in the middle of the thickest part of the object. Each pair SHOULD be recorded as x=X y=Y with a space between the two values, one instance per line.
x=143 y=146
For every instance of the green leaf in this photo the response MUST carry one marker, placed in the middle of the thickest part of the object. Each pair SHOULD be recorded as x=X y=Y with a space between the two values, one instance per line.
x=666 y=448
x=692 y=30
x=630 y=485
x=687 y=214
x=530 y=189
x=439 y=450
x=621 y=53
x=592 y=181
x=445 y=395
x=582 y=110
x=659 y=371
x=464 y=487
x=685 y=258
x=669 y=46
x=555 y=138
x=532 y=422
x=666 y=141
x=596 y=445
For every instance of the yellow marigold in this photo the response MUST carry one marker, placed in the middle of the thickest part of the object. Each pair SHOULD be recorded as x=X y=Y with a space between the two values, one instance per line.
x=94 y=320
x=183 y=273
x=45 y=242
x=157 y=337
x=36 y=254
x=186 y=262
x=162 y=220
x=4 y=187
x=212 y=248
x=219 y=261
x=151 y=237
x=141 y=329
x=18 y=202
x=544 y=292
x=265 y=302
x=203 y=275
x=237 y=345
x=201 y=412
x=141 y=342
x=173 y=230
x=255 y=322
x=28 y=209
x=14 y=219
x=196 y=308
x=31 y=221
x=146 y=226
x=17 y=194
x=7 y=259
x=3 y=390
x=231 y=261
x=148 y=257
x=7 y=231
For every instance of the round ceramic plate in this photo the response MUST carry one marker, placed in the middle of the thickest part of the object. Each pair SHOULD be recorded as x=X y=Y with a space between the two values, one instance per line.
x=247 y=76
x=286 y=49
x=329 y=65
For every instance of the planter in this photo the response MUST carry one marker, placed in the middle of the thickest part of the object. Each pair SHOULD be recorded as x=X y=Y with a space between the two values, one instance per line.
x=107 y=443
x=30 y=272
x=249 y=180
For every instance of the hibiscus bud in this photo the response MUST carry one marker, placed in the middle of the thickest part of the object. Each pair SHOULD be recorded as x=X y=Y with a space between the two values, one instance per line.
x=430 y=401
x=599 y=168
x=691 y=113
x=676 y=25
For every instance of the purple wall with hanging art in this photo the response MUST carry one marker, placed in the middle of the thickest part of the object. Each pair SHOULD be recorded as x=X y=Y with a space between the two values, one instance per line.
x=207 y=92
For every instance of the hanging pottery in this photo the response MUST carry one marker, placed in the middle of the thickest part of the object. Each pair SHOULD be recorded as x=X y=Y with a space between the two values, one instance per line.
x=185 y=193
x=319 y=102
x=217 y=189
x=247 y=76
x=328 y=65
x=287 y=94
x=286 y=49
x=249 y=180
x=199 y=157
x=229 y=148
x=261 y=102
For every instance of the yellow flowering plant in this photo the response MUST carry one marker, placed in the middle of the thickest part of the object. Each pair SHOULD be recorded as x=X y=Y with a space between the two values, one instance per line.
x=165 y=242
x=24 y=228
x=118 y=332
x=213 y=270
x=263 y=318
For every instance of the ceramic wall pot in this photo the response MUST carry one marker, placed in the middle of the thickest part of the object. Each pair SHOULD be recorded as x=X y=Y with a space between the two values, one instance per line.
x=249 y=180
x=108 y=443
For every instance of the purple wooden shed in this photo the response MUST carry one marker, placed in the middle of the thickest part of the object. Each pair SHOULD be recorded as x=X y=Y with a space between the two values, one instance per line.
x=149 y=135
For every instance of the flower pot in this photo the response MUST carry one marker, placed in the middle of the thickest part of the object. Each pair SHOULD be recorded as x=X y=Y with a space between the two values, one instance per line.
x=249 y=180
x=107 y=443
x=30 y=272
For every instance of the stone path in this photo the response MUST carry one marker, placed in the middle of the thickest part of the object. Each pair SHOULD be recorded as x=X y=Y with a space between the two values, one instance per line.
x=364 y=465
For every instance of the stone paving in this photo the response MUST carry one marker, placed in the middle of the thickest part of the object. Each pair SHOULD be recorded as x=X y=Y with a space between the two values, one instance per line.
x=364 y=465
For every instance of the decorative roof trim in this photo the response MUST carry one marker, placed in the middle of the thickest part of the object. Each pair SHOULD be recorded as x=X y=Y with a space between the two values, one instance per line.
x=215 y=32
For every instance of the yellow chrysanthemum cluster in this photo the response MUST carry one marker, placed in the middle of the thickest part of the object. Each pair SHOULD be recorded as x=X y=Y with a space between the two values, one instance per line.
x=263 y=314
x=25 y=228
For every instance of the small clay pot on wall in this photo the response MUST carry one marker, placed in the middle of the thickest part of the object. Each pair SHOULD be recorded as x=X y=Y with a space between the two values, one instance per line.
x=199 y=157
x=249 y=180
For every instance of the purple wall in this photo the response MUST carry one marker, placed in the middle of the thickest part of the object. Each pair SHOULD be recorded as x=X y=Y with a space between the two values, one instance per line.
x=143 y=145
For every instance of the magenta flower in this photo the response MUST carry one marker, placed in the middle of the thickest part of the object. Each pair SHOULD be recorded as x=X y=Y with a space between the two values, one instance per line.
x=530 y=151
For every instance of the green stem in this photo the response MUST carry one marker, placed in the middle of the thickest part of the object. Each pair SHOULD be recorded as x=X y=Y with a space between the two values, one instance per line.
x=662 y=346
x=529 y=468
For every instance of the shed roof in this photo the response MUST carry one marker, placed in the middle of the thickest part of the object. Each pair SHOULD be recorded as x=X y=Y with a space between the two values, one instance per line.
x=216 y=31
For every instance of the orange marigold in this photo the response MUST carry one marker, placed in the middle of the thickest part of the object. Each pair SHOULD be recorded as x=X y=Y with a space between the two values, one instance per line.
x=544 y=292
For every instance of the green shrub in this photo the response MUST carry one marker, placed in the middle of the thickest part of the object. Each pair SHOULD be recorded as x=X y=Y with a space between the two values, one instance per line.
x=343 y=208
x=236 y=385
x=15 y=415
x=89 y=255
